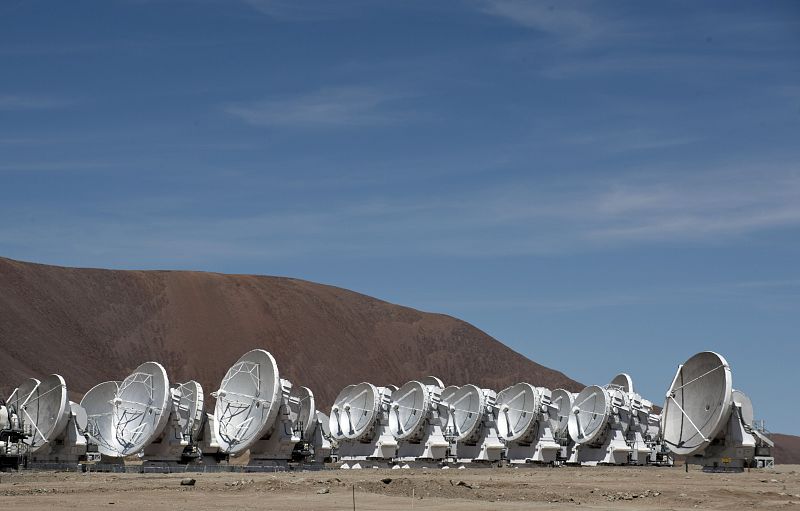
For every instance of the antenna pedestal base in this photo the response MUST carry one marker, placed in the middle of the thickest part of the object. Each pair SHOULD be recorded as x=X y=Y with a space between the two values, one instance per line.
x=734 y=451
x=488 y=446
x=278 y=446
x=641 y=452
x=613 y=451
x=542 y=449
x=69 y=448
x=322 y=446
x=382 y=447
x=432 y=446
x=169 y=447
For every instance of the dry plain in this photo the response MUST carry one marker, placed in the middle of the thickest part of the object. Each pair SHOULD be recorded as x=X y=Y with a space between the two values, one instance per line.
x=626 y=488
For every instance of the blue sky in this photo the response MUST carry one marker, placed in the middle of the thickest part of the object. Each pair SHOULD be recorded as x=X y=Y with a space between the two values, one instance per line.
x=601 y=186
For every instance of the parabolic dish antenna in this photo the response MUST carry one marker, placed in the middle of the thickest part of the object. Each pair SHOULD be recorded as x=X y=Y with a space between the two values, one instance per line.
x=323 y=421
x=698 y=403
x=190 y=408
x=559 y=411
x=448 y=393
x=360 y=408
x=46 y=411
x=302 y=409
x=444 y=404
x=743 y=403
x=517 y=408
x=408 y=410
x=98 y=405
x=623 y=381
x=433 y=381
x=466 y=410
x=81 y=419
x=335 y=421
x=589 y=414
x=125 y=417
x=248 y=401
x=21 y=395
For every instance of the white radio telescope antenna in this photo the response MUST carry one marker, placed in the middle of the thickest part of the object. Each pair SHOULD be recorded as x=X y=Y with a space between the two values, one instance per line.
x=362 y=405
x=417 y=421
x=518 y=407
x=524 y=425
x=410 y=404
x=466 y=409
x=335 y=420
x=446 y=411
x=247 y=401
x=302 y=411
x=359 y=422
x=124 y=417
x=707 y=421
x=20 y=396
x=474 y=426
x=698 y=403
x=46 y=411
x=599 y=424
x=623 y=381
x=589 y=414
x=744 y=405
x=559 y=411
x=189 y=408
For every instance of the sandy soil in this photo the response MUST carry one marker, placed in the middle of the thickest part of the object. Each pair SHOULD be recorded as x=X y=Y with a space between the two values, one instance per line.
x=628 y=488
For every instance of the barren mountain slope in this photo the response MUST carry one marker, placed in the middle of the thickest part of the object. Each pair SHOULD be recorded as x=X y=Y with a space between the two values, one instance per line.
x=95 y=325
x=787 y=449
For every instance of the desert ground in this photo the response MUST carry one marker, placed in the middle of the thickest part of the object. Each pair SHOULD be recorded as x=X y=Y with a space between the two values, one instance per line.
x=627 y=488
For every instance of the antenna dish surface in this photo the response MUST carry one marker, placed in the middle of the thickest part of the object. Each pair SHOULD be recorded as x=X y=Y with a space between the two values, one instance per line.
x=449 y=392
x=190 y=408
x=466 y=407
x=360 y=408
x=324 y=424
x=302 y=406
x=517 y=408
x=21 y=395
x=81 y=420
x=335 y=423
x=698 y=403
x=433 y=381
x=98 y=405
x=408 y=410
x=743 y=402
x=248 y=401
x=589 y=414
x=124 y=417
x=623 y=381
x=46 y=411
x=560 y=409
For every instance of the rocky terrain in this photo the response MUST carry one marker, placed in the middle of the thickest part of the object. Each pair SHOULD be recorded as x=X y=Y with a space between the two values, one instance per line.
x=565 y=488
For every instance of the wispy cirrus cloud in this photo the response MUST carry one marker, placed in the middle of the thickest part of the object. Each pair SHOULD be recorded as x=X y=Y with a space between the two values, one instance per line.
x=553 y=17
x=517 y=218
x=342 y=106
x=32 y=102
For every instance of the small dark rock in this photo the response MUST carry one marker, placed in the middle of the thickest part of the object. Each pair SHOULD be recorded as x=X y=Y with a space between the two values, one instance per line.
x=188 y=482
x=386 y=480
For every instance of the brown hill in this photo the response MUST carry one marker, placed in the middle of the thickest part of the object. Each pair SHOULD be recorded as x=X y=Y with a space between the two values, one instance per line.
x=787 y=449
x=94 y=325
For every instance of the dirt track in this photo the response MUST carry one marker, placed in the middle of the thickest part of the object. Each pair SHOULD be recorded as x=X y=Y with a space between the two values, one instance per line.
x=508 y=489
